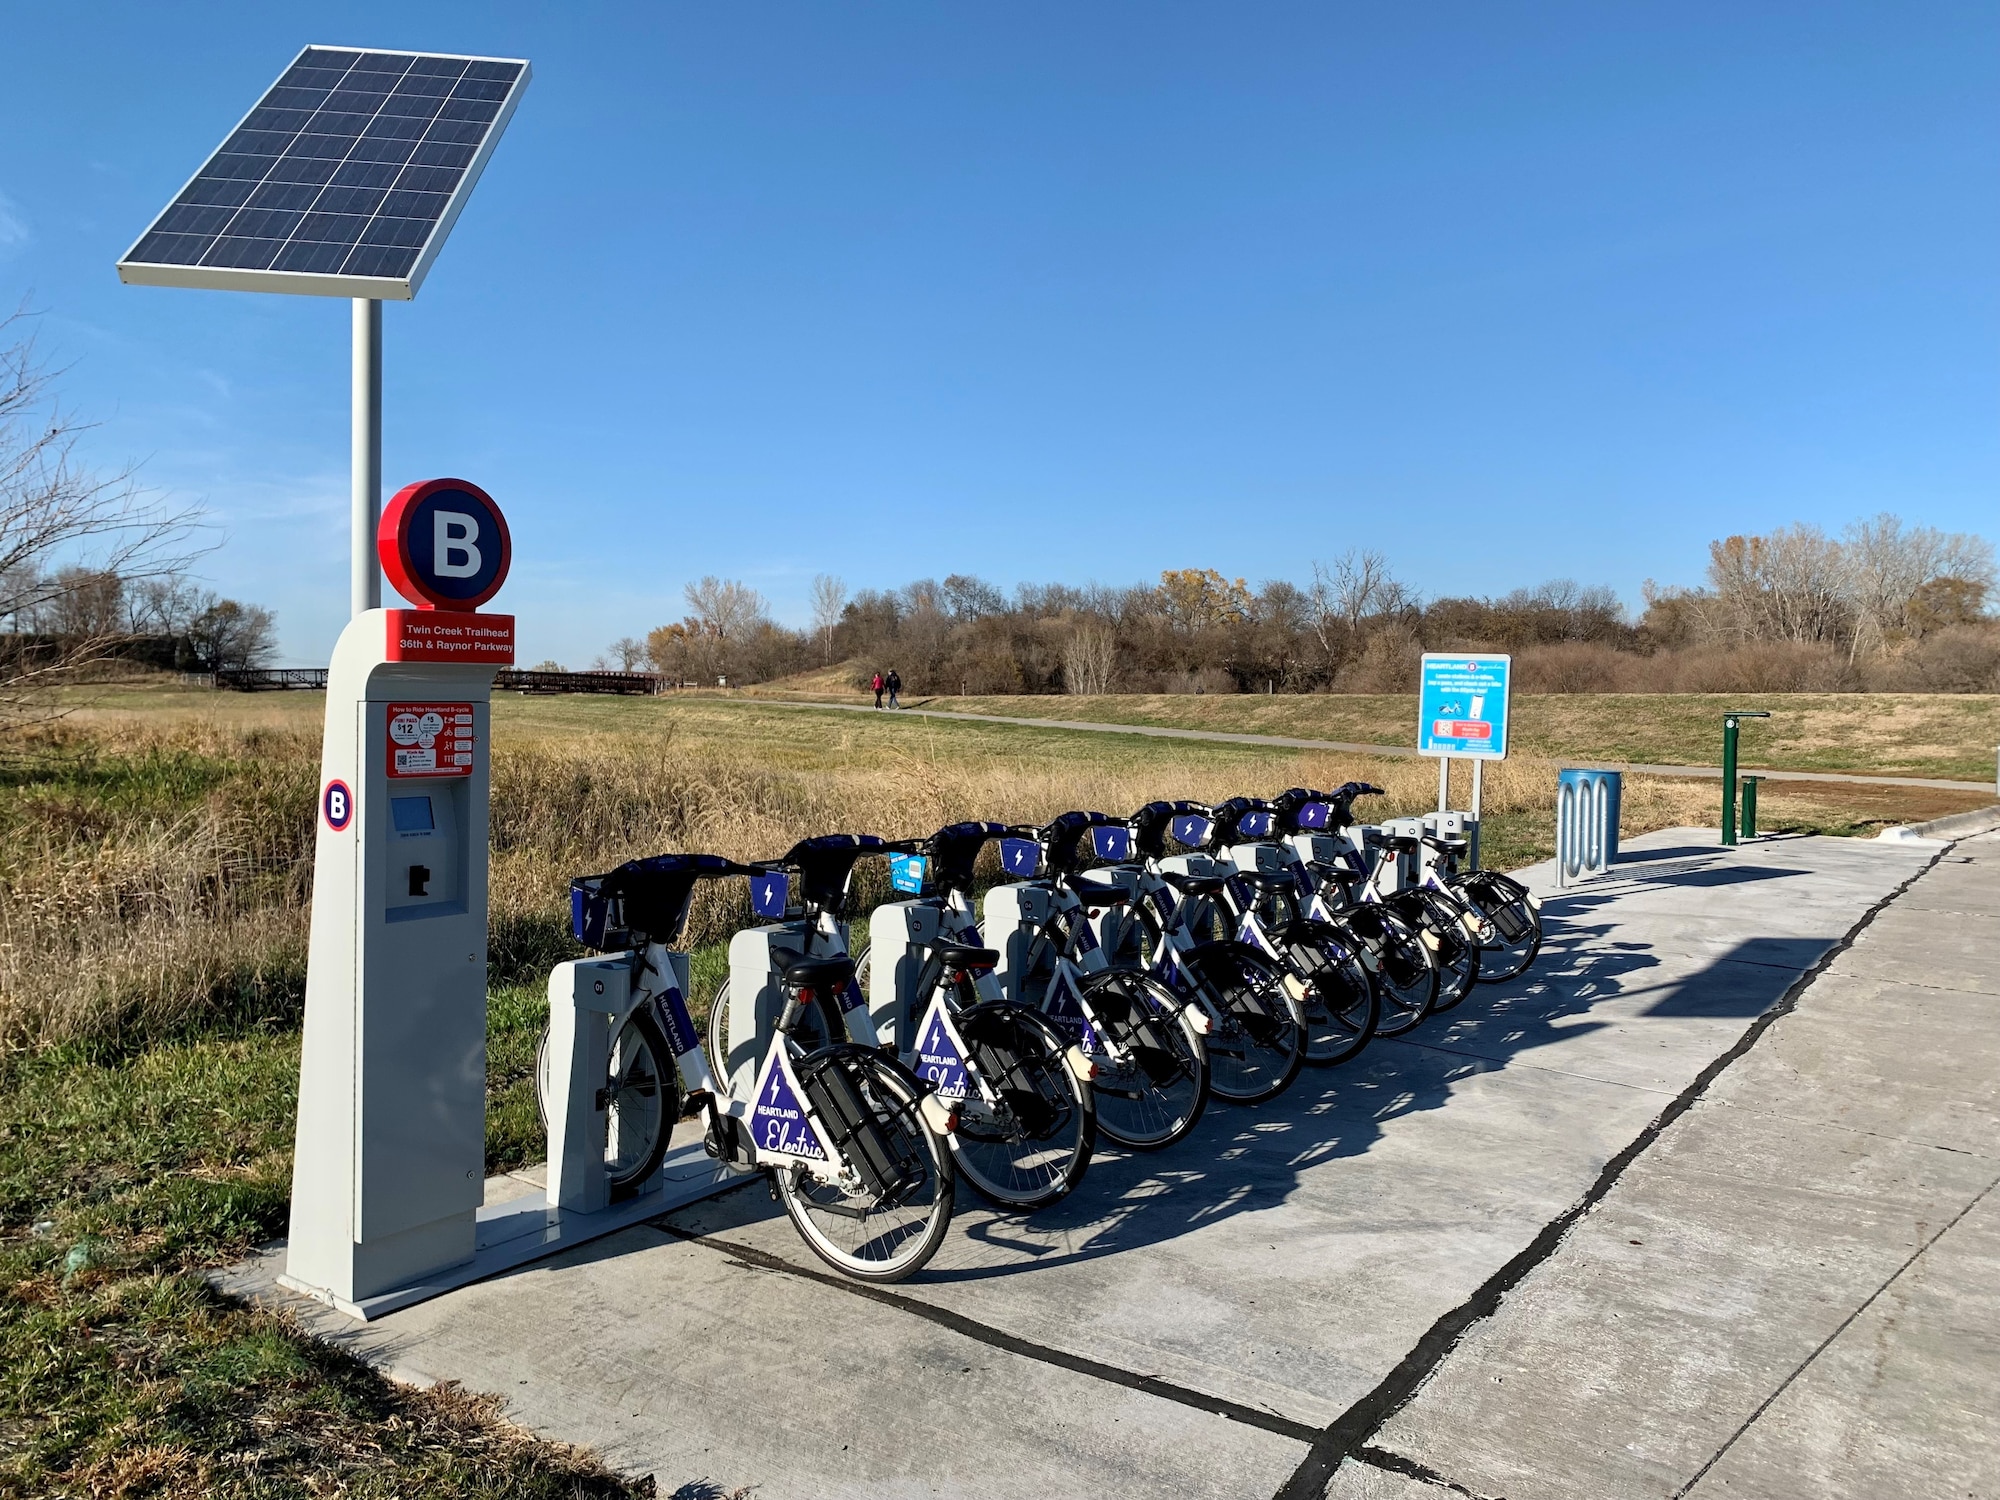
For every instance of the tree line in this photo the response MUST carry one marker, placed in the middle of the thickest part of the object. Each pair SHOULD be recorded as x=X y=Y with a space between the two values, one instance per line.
x=1882 y=605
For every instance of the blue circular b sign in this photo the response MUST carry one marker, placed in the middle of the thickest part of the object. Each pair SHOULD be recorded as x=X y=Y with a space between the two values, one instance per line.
x=336 y=804
x=444 y=544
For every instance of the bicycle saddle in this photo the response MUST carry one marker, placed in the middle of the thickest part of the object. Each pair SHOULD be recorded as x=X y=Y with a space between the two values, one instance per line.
x=1267 y=880
x=819 y=973
x=1098 y=893
x=1194 y=885
x=963 y=956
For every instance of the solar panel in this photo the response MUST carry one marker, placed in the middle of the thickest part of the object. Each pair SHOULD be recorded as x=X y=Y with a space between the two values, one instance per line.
x=343 y=181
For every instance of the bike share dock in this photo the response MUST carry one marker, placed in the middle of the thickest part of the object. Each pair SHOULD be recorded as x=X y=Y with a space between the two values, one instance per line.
x=1604 y=1230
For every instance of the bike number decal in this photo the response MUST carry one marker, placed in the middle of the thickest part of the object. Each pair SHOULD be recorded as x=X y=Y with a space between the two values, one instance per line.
x=779 y=1124
x=671 y=1010
x=941 y=1052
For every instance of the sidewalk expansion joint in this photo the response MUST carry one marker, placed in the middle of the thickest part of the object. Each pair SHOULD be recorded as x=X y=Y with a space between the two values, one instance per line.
x=1827 y=1342
x=1347 y=1433
x=985 y=1333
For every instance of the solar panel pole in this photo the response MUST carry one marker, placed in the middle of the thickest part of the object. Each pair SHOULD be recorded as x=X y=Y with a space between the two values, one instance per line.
x=366 y=459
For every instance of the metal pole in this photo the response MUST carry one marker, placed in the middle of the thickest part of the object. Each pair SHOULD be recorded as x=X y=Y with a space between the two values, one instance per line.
x=1729 y=781
x=1444 y=782
x=365 y=460
x=1750 y=806
x=1477 y=766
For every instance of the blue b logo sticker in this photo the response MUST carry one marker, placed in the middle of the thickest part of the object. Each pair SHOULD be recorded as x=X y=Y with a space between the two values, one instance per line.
x=336 y=805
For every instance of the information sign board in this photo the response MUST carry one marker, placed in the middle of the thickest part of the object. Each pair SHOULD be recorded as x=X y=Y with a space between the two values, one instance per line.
x=1462 y=706
x=430 y=739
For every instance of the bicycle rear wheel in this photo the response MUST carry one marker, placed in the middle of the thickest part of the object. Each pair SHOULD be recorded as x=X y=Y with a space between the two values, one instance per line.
x=1258 y=1048
x=1407 y=976
x=1154 y=1096
x=1517 y=925
x=1342 y=1003
x=1454 y=949
x=1032 y=1143
x=869 y=1233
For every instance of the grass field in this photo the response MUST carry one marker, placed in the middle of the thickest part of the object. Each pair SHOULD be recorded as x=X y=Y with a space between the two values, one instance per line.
x=1951 y=736
x=155 y=863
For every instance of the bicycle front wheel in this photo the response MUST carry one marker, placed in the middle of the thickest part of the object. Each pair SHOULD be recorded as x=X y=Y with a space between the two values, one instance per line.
x=885 y=1216
x=642 y=1092
x=1154 y=1095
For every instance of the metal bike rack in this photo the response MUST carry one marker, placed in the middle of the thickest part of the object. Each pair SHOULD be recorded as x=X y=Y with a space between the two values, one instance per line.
x=1587 y=808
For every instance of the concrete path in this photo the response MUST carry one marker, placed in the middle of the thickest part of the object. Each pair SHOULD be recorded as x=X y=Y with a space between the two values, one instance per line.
x=1795 y=1291
x=1410 y=1277
x=1288 y=742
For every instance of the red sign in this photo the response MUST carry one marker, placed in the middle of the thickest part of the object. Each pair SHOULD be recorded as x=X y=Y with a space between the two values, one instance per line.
x=444 y=544
x=1471 y=729
x=443 y=635
x=430 y=739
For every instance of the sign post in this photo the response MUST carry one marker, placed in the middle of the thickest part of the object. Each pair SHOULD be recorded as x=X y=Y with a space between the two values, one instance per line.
x=389 y=1170
x=1462 y=712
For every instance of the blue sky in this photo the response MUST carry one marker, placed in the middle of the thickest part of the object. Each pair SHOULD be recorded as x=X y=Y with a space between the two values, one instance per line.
x=1063 y=292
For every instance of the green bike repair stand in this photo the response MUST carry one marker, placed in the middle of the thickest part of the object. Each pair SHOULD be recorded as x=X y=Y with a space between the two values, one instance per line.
x=1729 y=722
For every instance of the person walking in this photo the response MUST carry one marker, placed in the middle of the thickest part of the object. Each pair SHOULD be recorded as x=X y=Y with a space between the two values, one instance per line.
x=877 y=685
x=895 y=686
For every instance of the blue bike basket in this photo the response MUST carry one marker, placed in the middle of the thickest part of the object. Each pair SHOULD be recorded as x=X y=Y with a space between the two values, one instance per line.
x=1315 y=814
x=1191 y=829
x=1256 y=825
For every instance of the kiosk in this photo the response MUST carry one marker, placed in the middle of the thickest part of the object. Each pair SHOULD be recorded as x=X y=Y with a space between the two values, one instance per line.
x=388 y=1173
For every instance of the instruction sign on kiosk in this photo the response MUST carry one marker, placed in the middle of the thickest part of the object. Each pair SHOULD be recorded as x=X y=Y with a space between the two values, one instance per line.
x=389 y=1171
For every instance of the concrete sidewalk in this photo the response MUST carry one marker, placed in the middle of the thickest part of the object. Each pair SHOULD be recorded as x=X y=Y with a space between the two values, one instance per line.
x=1796 y=1290
x=1252 y=1312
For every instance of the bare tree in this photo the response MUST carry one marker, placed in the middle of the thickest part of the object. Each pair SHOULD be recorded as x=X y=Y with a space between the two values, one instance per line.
x=1790 y=585
x=1891 y=573
x=628 y=653
x=66 y=536
x=228 y=637
x=829 y=599
x=1344 y=597
x=1090 y=659
x=723 y=607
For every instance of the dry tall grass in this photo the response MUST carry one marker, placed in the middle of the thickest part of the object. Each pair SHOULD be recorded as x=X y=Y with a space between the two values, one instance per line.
x=155 y=881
